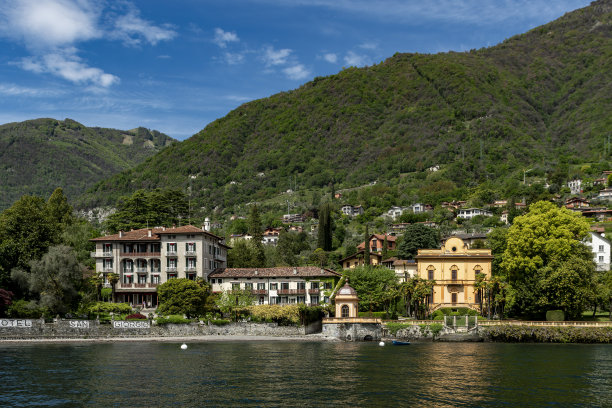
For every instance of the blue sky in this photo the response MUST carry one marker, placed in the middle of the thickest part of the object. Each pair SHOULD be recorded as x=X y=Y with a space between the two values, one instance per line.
x=175 y=66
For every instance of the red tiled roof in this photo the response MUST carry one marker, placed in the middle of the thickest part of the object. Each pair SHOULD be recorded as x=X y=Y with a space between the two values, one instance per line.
x=300 y=272
x=143 y=234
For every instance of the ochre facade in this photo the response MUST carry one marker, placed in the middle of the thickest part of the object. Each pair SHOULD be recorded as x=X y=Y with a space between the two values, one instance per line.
x=454 y=268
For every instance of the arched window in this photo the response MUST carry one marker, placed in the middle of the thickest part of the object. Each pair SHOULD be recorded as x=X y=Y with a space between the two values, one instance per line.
x=454 y=270
x=477 y=270
x=345 y=311
x=430 y=272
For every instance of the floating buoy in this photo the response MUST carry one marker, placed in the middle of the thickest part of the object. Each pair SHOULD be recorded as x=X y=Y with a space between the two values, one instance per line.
x=183 y=346
x=382 y=343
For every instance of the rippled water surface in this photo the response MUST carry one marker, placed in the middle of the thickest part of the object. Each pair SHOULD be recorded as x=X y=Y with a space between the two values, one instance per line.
x=305 y=374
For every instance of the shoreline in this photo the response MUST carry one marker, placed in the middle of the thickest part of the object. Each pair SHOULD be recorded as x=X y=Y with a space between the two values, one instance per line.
x=173 y=339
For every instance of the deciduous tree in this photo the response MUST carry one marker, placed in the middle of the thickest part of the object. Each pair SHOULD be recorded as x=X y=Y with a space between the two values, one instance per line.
x=181 y=296
x=417 y=236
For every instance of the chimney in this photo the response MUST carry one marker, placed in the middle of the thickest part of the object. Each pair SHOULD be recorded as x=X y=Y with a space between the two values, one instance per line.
x=149 y=233
x=295 y=271
x=120 y=234
x=207 y=224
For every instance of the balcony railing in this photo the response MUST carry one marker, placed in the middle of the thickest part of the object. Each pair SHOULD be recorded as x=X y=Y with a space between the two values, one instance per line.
x=140 y=254
x=292 y=291
x=101 y=254
x=171 y=269
x=108 y=269
x=190 y=269
x=190 y=253
x=137 y=285
x=141 y=270
x=171 y=253
x=259 y=291
x=314 y=291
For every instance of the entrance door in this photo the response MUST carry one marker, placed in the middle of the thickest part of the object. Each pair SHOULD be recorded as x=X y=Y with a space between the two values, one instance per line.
x=453 y=298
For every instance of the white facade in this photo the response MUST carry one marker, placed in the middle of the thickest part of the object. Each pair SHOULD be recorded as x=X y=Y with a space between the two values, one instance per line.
x=575 y=186
x=417 y=208
x=605 y=194
x=469 y=213
x=284 y=285
x=396 y=212
x=600 y=247
x=146 y=258
x=352 y=211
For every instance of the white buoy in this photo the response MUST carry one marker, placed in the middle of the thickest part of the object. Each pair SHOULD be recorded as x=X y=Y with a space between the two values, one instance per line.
x=183 y=346
x=382 y=343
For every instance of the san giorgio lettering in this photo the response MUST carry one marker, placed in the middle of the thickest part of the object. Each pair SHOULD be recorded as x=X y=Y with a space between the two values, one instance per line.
x=79 y=324
x=120 y=324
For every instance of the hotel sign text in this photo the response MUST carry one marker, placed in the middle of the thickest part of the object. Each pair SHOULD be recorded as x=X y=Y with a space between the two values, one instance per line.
x=25 y=323
x=121 y=324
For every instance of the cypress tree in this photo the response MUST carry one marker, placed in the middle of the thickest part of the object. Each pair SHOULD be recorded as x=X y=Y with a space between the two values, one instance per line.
x=366 y=252
x=324 y=237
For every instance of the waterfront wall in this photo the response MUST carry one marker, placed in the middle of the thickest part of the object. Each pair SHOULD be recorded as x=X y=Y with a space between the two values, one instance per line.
x=353 y=331
x=12 y=329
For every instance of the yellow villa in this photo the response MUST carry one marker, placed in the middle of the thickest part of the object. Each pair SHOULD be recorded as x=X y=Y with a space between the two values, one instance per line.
x=454 y=268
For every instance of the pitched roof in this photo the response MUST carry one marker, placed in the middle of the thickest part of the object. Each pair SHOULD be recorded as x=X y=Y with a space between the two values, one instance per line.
x=279 y=272
x=143 y=234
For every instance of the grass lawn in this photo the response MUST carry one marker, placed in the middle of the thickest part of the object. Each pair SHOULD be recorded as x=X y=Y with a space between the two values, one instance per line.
x=600 y=316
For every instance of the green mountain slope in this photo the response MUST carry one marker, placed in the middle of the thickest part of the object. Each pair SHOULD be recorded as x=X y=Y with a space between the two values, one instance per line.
x=36 y=156
x=539 y=98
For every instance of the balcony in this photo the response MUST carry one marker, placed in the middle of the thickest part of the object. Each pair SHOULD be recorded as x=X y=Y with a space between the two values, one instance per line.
x=190 y=253
x=171 y=269
x=314 y=291
x=101 y=254
x=259 y=291
x=137 y=285
x=140 y=254
x=190 y=269
x=292 y=291
x=107 y=269
x=171 y=253
x=141 y=270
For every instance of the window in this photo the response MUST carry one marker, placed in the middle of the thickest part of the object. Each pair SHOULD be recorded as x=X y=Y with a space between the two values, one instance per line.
x=142 y=278
x=601 y=248
x=191 y=276
x=454 y=274
x=191 y=263
x=129 y=266
x=171 y=276
x=274 y=286
x=236 y=286
x=314 y=300
x=430 y=274
x=107 y=264
x=301 y=299
x=219 y=280
x=325 y=299
x=345 y=311
x=301 y=285
x=107 y=248
x=453 y=298
x=171 y=263
x=155 y=279
x=327 y=285
x=190 y=246
x=171 y=248
x=314 y=285
x=284 y=285
x=248 y=286
x=261 y=286
x=155 y=265
x=601 y=259
x=210 y=249
x=261 y=300
x=128 y=279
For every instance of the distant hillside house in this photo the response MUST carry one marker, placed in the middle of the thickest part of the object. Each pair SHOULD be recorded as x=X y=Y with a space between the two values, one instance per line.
x=270 y=236
x=237 y=237
x=600 y=247
x=377 y=241
x=454 y=268
x=145 y=258
x=293 y=218
x=575 y=186
x=357 y=259
x=577 y=202
x=605 y=194
x=469 y=213
x=278 y=286
x=352 y=211
x=404 y=268
x=396 y=212
x=420 y=208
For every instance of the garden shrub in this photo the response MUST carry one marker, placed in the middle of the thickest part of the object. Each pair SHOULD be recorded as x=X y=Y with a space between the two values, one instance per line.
x=395 y=327
x=136 y=316
x=24 y=309
x=219 y=322
x=378 y=315
x=105 y=307
x=555 y=316
x=172 y=319
x=542 y=334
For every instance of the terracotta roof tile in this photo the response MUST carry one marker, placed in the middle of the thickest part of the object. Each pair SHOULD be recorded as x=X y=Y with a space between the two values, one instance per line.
x=143 y=235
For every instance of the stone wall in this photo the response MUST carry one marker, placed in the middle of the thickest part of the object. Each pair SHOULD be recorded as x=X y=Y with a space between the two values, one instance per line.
x=79 y=329
x=353 y=331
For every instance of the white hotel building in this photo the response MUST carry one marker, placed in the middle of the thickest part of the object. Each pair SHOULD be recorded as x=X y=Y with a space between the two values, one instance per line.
x=282 y=285
x=145 y=258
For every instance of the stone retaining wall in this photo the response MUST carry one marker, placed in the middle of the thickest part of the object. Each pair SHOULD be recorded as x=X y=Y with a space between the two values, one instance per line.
x=353 y=331
x=78 y=329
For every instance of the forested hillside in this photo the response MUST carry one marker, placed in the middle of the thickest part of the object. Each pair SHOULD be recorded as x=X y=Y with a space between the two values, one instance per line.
x=541 y=100
x=36 y=156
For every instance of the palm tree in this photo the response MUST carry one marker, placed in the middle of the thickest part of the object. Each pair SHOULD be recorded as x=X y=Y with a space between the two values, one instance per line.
x=113 y=278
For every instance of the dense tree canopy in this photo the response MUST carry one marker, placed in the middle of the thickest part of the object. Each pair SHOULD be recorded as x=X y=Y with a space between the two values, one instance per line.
x=182 y=296
x=374 y=286
x=417 y=236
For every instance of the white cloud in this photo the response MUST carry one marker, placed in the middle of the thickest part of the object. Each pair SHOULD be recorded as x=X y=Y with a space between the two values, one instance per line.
x=331 y=58
x=131 y=29
x=224 y=37
x=274 y=57
x=369 y=46
x=51 y=29
x=8 y=89
x=69 y=66
x=233 y=58
x=49 y=23
x=296 y=72
x=353 y=59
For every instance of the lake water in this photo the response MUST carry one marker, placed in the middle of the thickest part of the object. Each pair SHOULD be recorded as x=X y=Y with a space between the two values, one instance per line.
x=268 y=374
